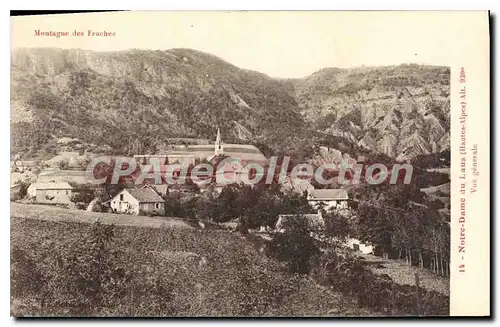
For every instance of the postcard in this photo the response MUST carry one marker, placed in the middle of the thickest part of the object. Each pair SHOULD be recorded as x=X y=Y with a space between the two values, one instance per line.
x=250 y=164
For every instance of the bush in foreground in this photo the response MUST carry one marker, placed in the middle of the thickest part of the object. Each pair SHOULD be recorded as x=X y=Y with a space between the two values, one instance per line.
x=72 y=269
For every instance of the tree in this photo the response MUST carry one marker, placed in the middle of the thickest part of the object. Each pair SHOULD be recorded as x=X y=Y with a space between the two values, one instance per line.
x=295 y=246
x=252 y=205
x=375 y=226
x=337 y=226
x=229 y=204
x=262 y=204
x=207 y=207
x=63 y=164
x=179 y=205
x=271 y=203
x=23 y=190
x=84 y=162
x=83 y=194
x=400 y=195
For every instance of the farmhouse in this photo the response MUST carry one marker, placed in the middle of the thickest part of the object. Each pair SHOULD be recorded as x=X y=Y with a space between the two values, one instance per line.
x=161 y=189
x=138 y=201
x=328 y=198
x=50 y=193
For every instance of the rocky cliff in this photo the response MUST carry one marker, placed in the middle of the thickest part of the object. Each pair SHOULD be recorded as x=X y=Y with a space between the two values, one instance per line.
x=401 y=111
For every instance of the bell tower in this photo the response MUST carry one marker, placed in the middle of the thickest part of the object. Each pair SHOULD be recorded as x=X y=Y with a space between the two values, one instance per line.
x=219 y=147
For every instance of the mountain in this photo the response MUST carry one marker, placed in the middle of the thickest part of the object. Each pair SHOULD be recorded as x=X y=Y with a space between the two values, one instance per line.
x=401 y=111
x=144 y=97
x=136 y=101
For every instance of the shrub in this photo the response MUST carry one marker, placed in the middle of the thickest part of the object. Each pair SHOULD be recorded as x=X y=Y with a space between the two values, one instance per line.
x=83 y=270
x=83 y=194
x=63 y=164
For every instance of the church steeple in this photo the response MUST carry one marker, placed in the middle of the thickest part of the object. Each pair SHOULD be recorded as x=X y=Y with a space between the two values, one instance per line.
x=219 y=147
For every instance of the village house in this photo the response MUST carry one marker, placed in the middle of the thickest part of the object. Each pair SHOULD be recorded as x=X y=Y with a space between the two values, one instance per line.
x=328 y=199
x=50 y=193
x=138 y=201
x=166 y=189
x=160 y=189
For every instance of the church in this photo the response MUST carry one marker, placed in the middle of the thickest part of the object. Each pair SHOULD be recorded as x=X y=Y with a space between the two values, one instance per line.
x=191 y=155
x=244 y=152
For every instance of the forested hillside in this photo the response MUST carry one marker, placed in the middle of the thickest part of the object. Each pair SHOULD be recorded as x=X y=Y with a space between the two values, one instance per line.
x=135 y=100
x=118 y=98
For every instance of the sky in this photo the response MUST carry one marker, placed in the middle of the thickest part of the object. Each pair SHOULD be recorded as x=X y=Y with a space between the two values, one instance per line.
x=279 y=44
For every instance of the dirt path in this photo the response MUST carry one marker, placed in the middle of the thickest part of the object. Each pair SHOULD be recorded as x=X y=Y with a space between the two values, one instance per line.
x=51 y=213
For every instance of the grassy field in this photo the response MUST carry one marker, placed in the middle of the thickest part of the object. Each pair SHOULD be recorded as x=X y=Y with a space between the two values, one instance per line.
x=61 y=266
x=405 y=275
x=53 y=213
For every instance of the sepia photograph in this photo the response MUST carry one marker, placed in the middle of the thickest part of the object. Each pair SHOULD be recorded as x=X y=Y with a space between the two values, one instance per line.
x=236 y=164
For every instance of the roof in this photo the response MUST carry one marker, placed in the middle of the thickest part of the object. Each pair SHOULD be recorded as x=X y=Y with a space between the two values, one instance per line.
x=52 y=186
x=144 y=194
x=327 y=194
x=161 y=188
